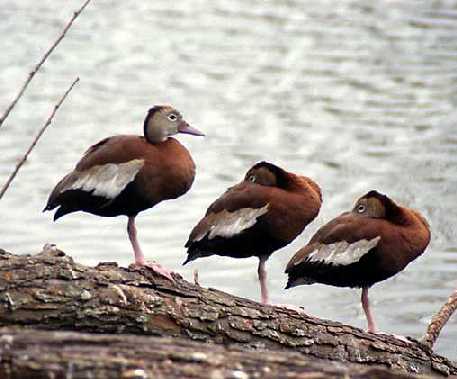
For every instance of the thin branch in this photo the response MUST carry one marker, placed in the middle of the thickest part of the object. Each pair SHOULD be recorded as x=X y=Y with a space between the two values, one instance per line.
x=439 y=320
x=41 y=62
x=38 y=136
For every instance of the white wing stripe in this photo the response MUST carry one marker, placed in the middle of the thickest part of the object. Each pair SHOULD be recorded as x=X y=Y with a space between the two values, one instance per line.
x=342 y=253
x=107 y=180
x=227 y=224
x=235 y=222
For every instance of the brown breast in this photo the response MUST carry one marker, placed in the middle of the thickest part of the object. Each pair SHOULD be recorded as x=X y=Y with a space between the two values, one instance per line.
x=292 y=210
x=401 y=244
x=168 y=172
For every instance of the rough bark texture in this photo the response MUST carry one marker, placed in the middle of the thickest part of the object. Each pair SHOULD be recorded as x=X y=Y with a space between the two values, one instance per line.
x=38 y=354
x=50 y=291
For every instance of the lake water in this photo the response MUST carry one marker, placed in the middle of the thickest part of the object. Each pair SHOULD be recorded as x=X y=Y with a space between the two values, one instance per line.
x=357 y=95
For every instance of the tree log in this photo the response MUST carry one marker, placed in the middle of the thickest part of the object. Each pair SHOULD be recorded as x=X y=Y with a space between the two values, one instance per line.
x=38 y=354
x=50 y=291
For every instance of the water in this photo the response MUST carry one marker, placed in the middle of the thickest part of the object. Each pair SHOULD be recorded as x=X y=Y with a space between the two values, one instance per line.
x=356 y=95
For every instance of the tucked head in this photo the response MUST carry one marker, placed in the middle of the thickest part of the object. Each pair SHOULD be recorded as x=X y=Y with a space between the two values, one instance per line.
x=267 y=174
x=376 y=205
x=163 y=121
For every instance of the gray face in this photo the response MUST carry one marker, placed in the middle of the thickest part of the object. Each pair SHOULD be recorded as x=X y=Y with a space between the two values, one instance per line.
x=261 y=176
x=369 y=207
x=167 y=120
x=163 y=123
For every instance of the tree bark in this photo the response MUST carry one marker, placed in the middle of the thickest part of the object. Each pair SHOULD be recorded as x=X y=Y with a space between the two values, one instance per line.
x=38 y=354
x=50 y=291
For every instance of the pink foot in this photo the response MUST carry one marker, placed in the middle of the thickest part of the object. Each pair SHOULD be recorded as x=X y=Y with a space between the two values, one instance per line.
x=139 y=256
x=157 y=268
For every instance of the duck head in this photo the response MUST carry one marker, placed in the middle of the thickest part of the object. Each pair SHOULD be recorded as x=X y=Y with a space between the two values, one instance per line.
x=376 y=205
x=163 y=121
x=267 y=174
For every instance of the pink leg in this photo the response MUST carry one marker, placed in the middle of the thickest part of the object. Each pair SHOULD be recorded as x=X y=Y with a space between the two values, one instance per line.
x=131 y=229
x=366 y=308
x=262 y=272
x=139 y=256
x=371 y=323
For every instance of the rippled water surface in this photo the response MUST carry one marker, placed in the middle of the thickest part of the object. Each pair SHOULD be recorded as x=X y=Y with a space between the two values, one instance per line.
x=357 y=95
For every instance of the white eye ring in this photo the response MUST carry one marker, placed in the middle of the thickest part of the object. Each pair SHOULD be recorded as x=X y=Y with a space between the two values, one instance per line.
x=361 y=208
x=172 y=117
x=251 y=178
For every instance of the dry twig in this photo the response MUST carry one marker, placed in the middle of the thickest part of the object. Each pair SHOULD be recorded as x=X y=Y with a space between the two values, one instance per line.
x=41 y=62
x=439 y=320
x=38 y=136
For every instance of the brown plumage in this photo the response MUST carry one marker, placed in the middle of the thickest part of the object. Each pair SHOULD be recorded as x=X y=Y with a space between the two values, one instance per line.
x=371 y=243
x=124 y=175
x=256 y=217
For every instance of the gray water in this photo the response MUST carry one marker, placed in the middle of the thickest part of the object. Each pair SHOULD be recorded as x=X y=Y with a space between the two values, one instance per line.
x=357 y=95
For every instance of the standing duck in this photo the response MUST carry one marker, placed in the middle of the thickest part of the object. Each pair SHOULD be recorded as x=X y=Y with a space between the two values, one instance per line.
x=371 y=243
x=126 y=174
x=256 y=217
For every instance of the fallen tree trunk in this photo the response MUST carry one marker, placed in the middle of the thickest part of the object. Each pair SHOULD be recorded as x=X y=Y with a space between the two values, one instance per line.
x=38 y=354
x=50 y=291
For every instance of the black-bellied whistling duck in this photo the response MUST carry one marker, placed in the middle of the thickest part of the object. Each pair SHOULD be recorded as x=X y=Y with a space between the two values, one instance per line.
x=126 y=174
x=371 y=243
x=256 y=217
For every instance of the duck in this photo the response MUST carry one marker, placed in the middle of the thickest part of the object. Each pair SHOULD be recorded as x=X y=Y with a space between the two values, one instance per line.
x=374 y=241
x=124 y=175
x=266 y=211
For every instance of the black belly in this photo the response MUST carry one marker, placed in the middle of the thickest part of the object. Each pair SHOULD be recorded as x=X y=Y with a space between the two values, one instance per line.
x=128 y=203
x=364 y=273
x=252 y=242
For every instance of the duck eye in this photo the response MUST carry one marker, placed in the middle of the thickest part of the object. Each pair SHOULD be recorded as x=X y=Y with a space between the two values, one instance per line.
x=361 y=208
x=172 y=117
x=251 y=178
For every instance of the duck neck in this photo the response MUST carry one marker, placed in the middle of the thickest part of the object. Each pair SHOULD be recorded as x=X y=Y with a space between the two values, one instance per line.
x=395 y=213
x=400 y=216
x=154 y=135
x=300 y=183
